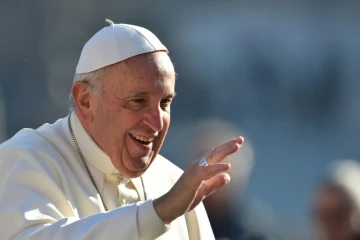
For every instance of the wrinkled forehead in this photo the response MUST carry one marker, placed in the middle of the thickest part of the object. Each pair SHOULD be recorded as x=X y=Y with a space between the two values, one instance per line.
x=156 y=62
x=146 y=72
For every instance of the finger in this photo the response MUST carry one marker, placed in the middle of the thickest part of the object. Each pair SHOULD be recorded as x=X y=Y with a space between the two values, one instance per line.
x=220 y=152
x=214 y=183
x=238 y=140
x=227 y=144
x=195 y=175
x=209 y=187
x=224 y=150
x=194 y=178
x=209 y=171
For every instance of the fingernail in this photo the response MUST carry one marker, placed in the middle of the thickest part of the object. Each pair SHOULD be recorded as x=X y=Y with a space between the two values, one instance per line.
x=239 y=138
x=227 y=178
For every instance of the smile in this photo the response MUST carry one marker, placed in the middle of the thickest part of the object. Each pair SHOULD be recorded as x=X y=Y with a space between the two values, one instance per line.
x=142 y=139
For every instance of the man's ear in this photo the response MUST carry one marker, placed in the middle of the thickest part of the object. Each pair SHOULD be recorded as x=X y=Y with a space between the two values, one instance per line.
x=81 y=96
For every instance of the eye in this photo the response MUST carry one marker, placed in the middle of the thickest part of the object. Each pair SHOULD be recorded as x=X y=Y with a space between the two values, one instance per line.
x=138 y=100
x=137 y=103
x=166 y=102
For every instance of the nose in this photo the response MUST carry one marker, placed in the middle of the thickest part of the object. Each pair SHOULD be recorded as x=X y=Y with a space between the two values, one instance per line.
x=154 y=119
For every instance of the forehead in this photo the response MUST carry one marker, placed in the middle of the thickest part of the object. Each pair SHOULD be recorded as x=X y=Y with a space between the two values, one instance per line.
x=144 y=73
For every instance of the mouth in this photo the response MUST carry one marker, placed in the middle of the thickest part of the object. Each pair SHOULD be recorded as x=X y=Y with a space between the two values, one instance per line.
x=142 y=139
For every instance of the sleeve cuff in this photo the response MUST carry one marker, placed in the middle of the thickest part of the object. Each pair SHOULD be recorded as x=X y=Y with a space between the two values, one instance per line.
x=150 y=225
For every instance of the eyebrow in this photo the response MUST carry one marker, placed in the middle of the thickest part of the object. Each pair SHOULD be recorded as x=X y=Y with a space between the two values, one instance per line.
x=141 y=94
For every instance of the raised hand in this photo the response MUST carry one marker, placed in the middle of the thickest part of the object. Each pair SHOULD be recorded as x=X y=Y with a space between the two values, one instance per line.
x=203 y=177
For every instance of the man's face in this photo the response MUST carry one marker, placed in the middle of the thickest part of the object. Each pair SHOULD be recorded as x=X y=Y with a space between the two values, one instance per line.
x=131 y=117
x=332 y=212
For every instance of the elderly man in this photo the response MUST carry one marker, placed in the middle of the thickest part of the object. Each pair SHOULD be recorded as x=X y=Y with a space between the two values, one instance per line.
x=97 y=174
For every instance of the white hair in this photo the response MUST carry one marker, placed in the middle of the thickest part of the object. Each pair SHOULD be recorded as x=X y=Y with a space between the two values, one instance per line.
x=94 y=80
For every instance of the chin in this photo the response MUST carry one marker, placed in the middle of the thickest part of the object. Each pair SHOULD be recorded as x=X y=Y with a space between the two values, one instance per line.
x=140 y=164
x=133 y=168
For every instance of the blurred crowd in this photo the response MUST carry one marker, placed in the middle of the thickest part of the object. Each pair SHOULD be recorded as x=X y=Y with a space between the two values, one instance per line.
x=285 y=76
x=333 y=210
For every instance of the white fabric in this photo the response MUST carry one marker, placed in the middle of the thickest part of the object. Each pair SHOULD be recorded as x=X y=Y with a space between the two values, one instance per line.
x=111 y=178
x=116 y=43
x=45 y=192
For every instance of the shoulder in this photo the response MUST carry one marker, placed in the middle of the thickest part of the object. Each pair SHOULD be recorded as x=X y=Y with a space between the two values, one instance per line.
x=161 y=176
x=29 y=148
x=165 y=168
x=163 y=162
x=26 y=140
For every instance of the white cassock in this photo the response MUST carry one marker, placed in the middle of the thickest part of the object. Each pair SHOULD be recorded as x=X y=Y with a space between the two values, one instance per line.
x=46 y=193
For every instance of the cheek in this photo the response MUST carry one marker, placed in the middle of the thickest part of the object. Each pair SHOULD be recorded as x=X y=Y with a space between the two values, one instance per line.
x=105 y=122
x=166 y=124
x=167 y=121
x=119 y=123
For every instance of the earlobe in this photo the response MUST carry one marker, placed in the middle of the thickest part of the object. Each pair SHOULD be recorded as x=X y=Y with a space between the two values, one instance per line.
x=81 y=97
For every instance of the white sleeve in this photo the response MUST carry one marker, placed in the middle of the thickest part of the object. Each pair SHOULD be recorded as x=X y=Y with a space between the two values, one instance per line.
x=199 y=227
x=109 y=225
x=120 y=223
x=33 y=205
x=150 y=224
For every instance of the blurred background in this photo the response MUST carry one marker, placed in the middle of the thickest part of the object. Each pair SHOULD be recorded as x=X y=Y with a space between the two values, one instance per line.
x=284 y=74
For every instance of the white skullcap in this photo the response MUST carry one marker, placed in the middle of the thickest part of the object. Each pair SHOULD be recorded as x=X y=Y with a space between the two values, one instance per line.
x=116 y=43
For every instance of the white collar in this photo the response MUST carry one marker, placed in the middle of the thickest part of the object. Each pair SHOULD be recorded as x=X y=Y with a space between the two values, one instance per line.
x=91 y=151
x=94 y=154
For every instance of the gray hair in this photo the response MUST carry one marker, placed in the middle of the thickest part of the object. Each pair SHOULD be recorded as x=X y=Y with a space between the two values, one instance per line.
x=94 y=80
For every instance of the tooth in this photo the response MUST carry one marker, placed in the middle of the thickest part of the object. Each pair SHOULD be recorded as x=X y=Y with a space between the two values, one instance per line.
x=142 y=138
